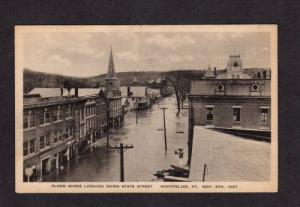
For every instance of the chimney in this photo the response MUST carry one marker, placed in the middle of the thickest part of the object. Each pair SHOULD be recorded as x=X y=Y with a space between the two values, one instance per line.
x=215 y=71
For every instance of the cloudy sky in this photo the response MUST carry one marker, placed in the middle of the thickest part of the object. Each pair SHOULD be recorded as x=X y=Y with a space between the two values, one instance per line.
x=86 y=53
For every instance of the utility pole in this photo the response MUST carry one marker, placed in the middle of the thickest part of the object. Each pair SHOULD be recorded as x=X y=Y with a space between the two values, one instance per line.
x=136 y=111
x=107 y=124
x=165 y=131
x=121 y=149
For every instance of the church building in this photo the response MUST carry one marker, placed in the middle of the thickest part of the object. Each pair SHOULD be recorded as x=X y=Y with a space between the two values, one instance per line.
x=113 y=94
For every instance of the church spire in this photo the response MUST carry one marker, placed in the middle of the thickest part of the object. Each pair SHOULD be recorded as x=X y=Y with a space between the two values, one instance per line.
x=111 y=67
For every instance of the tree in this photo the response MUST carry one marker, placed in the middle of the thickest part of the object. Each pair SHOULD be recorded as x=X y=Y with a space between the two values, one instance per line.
x=181 y=86
x=68 y=86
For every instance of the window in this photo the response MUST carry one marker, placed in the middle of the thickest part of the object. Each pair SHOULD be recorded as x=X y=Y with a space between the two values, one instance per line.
x=69 y=111
x=41 y=118
x=236 y=114
x=28 y=120
x=71 y=131
x=255 y=87
x=25 y=121
x=67 y=133
x=220 y=87
x=47 y=116
x=264 y=112
x=82 y=131
x=60 y=135
x=45 y=141
x=29 y=147
x=209 y=113
x=55 y=138
x=82 y=113
x=57 y=114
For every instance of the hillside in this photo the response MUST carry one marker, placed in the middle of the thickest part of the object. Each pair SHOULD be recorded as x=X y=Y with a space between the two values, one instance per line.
x=34 y=79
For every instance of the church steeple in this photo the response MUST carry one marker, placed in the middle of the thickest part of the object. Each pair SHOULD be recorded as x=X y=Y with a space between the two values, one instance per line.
x=111 y=67
x=112 y=83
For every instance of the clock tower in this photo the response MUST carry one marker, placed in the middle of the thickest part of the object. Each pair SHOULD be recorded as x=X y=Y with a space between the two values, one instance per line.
x=234 y=68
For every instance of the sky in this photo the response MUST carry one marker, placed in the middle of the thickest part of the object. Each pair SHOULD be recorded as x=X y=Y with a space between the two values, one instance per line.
x=84 y=54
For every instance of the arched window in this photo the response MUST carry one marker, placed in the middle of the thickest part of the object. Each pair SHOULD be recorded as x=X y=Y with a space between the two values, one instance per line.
x=232 y=76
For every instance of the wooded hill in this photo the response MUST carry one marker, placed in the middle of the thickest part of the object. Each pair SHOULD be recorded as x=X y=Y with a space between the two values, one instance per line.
x=33 y=79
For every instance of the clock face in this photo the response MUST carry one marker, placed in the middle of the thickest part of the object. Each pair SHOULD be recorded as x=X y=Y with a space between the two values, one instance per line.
x=235 y=64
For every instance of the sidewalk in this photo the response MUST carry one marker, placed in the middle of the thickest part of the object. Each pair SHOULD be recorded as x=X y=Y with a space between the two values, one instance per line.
x=228 y=158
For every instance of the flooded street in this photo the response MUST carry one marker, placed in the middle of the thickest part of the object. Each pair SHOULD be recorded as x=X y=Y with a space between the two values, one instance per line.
x=148 y=155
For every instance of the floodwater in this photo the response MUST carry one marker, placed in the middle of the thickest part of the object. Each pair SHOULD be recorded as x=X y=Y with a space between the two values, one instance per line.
x=98 y=164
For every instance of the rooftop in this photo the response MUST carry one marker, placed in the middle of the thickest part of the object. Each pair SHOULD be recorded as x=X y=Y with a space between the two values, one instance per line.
x=228 y=158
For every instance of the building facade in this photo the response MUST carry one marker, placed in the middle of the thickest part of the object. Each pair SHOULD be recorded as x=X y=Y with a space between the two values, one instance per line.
x=48 y=134
x=56 y=128
x=232 y=100
x=59 y=123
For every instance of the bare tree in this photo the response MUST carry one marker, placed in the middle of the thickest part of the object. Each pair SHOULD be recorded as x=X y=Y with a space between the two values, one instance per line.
x=181 y=86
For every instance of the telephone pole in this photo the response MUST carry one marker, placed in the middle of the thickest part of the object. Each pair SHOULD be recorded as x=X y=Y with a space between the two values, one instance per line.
x=165 y=131
x=107 y=124
x=121 y=149
x=136 y=110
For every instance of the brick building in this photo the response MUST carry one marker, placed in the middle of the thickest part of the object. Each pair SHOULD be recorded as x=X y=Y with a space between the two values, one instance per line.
x=55 y=128
x=58 y=123
x=233 y=100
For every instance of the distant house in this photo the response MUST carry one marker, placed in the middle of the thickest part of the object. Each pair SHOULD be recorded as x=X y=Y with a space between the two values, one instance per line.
x=138 y=97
